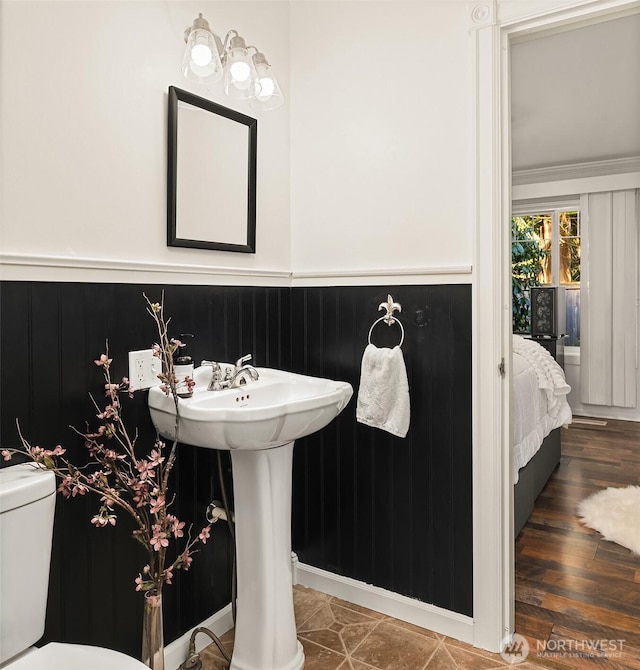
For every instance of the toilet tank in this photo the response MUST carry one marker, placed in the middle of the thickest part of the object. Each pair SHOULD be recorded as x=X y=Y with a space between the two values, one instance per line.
x=27 y=504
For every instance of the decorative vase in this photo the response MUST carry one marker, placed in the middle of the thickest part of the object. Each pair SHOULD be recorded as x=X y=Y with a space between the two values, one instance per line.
x=152 y=636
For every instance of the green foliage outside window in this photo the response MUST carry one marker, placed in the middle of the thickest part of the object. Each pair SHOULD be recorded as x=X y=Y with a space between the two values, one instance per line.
x=569 y=247
x=527 y=256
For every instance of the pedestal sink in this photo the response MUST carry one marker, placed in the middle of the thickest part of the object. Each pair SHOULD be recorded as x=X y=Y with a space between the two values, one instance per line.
x=258 y=423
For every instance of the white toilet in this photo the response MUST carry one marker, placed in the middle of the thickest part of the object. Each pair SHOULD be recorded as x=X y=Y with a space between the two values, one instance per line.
x=27 y=504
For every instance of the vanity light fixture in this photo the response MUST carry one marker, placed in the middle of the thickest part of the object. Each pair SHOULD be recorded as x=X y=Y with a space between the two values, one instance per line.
x=240 y=76
x=270 y=95
x=201 y=62
x=247 y=76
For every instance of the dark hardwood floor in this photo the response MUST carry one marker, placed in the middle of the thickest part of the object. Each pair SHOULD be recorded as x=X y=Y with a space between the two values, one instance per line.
x=572 y=587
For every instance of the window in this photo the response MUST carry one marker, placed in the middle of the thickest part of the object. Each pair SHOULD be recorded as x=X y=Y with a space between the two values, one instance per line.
x=545 y=251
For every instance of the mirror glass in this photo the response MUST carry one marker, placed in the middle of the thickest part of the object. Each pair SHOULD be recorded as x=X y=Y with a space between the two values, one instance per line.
x=211 y=200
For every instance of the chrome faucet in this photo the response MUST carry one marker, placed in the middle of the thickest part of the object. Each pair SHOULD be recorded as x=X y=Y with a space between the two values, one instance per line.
x=233 y=376
x=242 y=373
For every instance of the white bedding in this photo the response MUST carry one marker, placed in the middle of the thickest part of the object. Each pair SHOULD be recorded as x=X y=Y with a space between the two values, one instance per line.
x=539 y=401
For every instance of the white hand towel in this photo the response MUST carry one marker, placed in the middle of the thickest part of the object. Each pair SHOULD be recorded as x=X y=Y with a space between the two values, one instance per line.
x=383 y=397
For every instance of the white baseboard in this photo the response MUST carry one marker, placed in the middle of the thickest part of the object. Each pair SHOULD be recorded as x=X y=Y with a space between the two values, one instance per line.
x=219 y=623
x=401 y=607
x=392 y=604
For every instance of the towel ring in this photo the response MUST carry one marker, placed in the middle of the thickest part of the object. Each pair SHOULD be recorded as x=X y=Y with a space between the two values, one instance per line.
x=388 y=320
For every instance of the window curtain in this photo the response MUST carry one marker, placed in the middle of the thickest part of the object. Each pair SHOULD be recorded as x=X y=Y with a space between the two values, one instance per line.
x=609 y=298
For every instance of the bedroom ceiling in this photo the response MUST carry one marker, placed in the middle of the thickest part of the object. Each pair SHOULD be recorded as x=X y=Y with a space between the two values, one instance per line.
x=576 y=95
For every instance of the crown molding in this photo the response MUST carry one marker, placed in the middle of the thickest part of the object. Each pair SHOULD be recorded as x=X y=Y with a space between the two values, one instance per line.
x=576 y=171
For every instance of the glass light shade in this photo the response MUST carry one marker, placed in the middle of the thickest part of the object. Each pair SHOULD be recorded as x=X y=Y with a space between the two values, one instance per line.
x=240 y=77
x=201 y=62
x=269 y=96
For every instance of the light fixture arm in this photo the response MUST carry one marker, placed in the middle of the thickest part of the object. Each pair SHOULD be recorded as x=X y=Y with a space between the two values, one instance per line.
x=260 y=59
x=226 y=44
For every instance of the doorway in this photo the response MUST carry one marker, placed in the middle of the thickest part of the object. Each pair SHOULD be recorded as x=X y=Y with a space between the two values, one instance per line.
x=498 y=25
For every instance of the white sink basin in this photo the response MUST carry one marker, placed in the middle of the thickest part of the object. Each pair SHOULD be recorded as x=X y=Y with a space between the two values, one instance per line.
x=276 y=409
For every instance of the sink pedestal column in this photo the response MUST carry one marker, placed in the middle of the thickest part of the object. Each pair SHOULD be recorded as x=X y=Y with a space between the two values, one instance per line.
x=265 y=634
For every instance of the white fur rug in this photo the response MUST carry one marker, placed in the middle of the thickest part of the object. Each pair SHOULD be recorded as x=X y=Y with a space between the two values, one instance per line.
x=615 y=514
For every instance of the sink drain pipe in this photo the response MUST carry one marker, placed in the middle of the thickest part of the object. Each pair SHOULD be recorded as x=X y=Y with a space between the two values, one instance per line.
x=193 y=661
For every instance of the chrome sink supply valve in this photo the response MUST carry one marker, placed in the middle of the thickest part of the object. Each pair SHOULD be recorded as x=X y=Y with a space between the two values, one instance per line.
x=215 y=512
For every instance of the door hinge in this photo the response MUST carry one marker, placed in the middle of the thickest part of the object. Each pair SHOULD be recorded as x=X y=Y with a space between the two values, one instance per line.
x=501 y=368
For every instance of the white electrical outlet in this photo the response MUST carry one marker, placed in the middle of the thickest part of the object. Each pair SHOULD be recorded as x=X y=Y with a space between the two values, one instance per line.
x=143 y=369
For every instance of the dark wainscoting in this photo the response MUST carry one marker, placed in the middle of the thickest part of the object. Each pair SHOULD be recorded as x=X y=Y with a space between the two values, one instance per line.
x=50 y=335
x=392 y=512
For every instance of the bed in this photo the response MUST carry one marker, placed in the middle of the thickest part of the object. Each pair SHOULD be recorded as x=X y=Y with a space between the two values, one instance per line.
x=539 y=409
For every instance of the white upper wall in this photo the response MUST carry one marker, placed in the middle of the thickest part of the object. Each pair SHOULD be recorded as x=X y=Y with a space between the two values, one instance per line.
x=380 y=148
x=381 y=135
x=84 y=131
x=369 y=169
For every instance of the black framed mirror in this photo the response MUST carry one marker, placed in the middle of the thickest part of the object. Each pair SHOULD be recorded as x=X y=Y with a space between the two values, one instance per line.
x=211 y=181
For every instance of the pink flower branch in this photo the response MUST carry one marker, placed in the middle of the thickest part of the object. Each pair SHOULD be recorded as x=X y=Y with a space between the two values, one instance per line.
x=124 y=478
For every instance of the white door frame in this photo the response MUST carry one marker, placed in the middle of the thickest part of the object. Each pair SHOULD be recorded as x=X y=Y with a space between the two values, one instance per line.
x=494 y=24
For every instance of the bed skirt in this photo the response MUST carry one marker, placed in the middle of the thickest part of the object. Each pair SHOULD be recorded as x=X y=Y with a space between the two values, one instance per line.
x=533 y=477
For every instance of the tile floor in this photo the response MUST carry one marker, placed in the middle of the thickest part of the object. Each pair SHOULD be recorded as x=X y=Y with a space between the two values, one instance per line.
x=337 y=635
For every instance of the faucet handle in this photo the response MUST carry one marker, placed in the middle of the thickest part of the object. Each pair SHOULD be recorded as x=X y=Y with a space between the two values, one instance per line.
x=216 y=371
x=241 y=361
